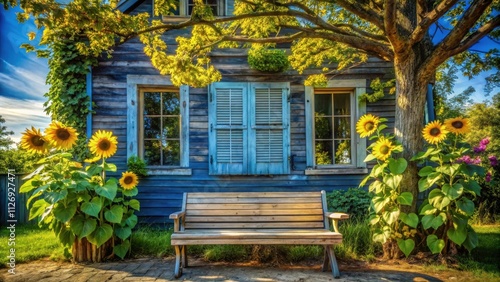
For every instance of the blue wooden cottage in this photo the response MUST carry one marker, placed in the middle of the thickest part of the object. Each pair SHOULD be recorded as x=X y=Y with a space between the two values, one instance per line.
x=252 y=131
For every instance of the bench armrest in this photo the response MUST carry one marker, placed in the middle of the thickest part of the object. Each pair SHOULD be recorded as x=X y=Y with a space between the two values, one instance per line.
x=178 y=218
x=335 y=217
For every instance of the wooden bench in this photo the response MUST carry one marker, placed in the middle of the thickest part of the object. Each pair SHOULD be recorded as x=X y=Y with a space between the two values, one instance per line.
x=255 y=218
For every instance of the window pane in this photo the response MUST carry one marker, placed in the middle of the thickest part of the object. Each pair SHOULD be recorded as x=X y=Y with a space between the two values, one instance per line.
x=171 y=153
x=152 y=151
x=151 y=102
x=323 y=127
x=171 y=103
x=342 y=104
x=323 y=104
x=343 y=152
x=324 y=153
x=152 y=127
x=171 y=127
x=343 y=127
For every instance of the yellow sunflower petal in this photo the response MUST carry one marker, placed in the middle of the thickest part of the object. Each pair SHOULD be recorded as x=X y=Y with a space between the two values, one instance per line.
x=103 y=144
x=129 y=180
x=367 y=125
x=33 y=141
x=382 y=148
x=60 y=135
x=434 y=132
x=457 y=125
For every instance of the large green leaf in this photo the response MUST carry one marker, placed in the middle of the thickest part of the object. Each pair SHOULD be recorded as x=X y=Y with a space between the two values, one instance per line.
x=114 y=214
x=108 y=190
x=471 y=241
x=438 y=199
x=123 y=232
x=406 y=246
x=409 y=219
x=131 y=192
x=63 y=212
x=122 y=249
x=427 y=209
x=433 y=221
x=27 y=186
x=82 y=226
x=393 y=181
x=435 y=244
x=94 y=169
x=397 y=166
x=427 y=182
x=381 y=235
x=135 y=204
x=472 y=186
x=380 y=202
x=109 y=167
x=369 y=157
x=101 y=235
x=66 y=237
x=93 y=207
x=453 y=191
x=38 y=208
x=457 y=235
x=466 y=205
x=391 y=216
x=425 y=171
x=53 y=197
x=405 y=198
x=131 y=220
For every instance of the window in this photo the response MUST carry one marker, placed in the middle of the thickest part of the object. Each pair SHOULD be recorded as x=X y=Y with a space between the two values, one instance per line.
x=158 y=124
x=332 y=145
x=249 y=128
x=219 y=7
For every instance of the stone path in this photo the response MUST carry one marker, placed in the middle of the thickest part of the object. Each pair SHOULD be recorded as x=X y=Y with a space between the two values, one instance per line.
x=155 y=269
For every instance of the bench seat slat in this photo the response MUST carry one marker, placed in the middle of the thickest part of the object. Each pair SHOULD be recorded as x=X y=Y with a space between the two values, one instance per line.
x=247 y=200
x=270 y=218
x=246 y=241
x=254 y=206
x=255 y=212
x=255 y=194
x=219 y=225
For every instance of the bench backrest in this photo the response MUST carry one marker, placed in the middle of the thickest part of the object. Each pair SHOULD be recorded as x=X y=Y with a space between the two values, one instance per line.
x=255 y=210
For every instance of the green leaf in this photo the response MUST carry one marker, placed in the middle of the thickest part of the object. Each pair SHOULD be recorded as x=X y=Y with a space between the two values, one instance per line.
x=114 y=214
x=391 y=216
x=433 y=221
x=53 y=197
x=27 y=186
x=472 y=186
x=453 y=191
x=380 y=202
x=406 y=246
x=38 y=208
x=94 y=170
x=472 y=240
x=108 y=190
x=438 y=199
x=131 y=192
x=427 y=209
x=66 y=237
x=82 y=226
x=109 y=167
x=466 y=205
x=123 y=232
x=101 y=235
x=131 y=221
x=397 y=166
x=405 y=198
x=393 y=181
x=93 y=207
x=425 y=171
x=135 y=204
x=381 y=235
x=435 y=244
x=64 y=213
x=370 y=157
x=427 y=182
x=122 y=249
x=409 y=219
x=457 y=235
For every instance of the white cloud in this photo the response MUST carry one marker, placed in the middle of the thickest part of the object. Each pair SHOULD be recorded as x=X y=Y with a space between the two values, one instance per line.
x=22 y=114
x=27 y=82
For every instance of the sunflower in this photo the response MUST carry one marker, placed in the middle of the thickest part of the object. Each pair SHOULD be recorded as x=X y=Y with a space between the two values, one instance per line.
x=33 y=141
x=457 y=125
x=366 y=125
x=103 y=144
x=434 y=132
x=382 y=148
x=129 y=180
x=60 y=135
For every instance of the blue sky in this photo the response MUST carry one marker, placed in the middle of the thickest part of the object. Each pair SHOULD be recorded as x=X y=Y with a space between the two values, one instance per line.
x=22 y=78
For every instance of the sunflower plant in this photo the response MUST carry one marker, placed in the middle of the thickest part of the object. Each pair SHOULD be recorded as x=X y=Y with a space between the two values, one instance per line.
x=87 y=210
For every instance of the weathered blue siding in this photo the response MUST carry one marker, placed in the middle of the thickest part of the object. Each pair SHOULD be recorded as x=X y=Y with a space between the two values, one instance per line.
x=161 y=195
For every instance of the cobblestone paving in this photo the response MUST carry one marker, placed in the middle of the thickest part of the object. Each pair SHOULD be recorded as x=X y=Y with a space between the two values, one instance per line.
x=153 y=269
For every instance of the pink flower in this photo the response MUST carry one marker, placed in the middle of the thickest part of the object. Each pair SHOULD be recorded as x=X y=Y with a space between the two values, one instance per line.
x=493 y=160
x=477 y=160
x=464 y=159
x=488 y=177
x=480 y=149
x=485 y=141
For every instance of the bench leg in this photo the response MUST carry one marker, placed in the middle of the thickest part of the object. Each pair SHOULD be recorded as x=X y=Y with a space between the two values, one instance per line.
x=326 y=260
x=333 y=261
x=178 y=261
x=184 y=256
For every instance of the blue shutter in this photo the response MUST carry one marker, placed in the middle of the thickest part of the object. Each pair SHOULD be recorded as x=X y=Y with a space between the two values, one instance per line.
x=269 y=135
x=228 y=128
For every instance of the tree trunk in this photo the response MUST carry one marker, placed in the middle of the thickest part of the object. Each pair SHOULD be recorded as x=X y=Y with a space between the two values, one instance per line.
x=84 y=251
x=411 y=89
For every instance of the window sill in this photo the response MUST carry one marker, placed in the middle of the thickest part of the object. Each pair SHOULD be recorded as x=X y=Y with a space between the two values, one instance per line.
x=169 y=171
x=329 y=171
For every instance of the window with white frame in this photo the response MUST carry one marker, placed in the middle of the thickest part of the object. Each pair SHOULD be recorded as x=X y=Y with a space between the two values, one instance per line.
x=219 y=7
x=249 y=128
x=158 y=124
x=332 y=145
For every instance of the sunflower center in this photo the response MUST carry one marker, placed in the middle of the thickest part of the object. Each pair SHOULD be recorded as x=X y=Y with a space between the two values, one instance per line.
x=128 y=180
x=435 y=132
x=37 y=141
x=457 y=124
x=369 y=126
x=62 y=134
x=104 y=145
x=385 y=149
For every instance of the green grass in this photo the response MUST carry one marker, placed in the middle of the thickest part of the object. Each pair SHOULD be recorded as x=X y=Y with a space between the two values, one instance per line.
x=31 y=243
x=484 y=258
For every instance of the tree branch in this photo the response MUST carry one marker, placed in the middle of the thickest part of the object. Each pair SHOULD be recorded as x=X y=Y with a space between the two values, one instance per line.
x=361 y=11
x=429 y=19
x=476 y=36
x=390 y=26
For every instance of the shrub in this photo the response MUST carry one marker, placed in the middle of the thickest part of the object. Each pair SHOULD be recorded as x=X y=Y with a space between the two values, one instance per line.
x=268 y=60
x=354 y=201
x=137 y=166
